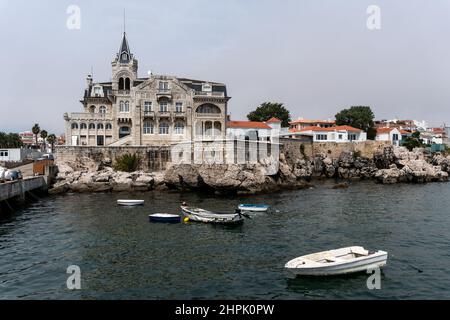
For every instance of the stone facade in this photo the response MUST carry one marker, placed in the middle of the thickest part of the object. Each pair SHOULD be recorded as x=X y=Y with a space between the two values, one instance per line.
x=154 y=111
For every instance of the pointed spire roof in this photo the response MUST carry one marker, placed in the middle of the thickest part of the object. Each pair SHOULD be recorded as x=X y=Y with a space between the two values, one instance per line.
x=124 y=51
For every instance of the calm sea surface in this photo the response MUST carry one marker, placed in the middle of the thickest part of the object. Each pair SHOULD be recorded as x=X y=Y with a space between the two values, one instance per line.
x=123 y=256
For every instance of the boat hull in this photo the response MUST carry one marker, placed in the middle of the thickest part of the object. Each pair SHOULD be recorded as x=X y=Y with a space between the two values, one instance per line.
x=304 y=267
x=130 y=203
x=159 y=218
x=253 y=208
x=213 y=218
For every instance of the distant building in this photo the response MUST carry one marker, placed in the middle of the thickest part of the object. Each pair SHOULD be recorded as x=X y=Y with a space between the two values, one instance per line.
x=393 y=135
x=14 y=155
x=339 y=134
x=28 y=138
x=249 y=129
x=301 y=124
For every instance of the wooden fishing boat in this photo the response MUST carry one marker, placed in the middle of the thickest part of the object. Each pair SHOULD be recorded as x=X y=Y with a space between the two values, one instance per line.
x=164 y=218
x=253 y=207
x=336 y=262
x=130 y=202
x=205 y=216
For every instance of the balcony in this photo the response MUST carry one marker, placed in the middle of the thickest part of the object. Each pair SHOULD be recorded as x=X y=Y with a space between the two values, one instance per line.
x=123 y=92
x=148 y=114
x=210 y=94
x=90 y=116
x=209 y=115
x=180 y=114
x=164 y=114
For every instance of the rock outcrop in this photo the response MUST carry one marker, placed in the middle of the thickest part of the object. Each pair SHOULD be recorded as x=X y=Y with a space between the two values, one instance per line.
x=390 y=165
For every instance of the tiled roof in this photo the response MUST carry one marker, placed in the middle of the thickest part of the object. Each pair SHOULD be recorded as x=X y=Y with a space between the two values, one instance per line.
x=300 y=121
x=330 y=129
x=248 y=125
x=385 y=130
x=273 y=120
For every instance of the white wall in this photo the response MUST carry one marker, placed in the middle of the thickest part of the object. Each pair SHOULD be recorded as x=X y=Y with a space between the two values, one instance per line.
x=10 y=154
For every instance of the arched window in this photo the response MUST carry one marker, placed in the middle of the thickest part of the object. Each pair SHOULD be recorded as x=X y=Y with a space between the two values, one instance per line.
x=100 y=126
x=179 y=128
x=124 y=106
x=92 y=109
x=74 y=125
x=164 y=128
x=124 y=56
x=108 y=126
x=148 y=127
x=127 y=84
x=83 y=126
x=121 y=84
x=92 y=126
x=208 y=108
x=102 y=109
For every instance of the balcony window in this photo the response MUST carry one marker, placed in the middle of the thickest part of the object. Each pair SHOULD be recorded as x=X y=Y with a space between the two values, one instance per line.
x=179 y=107
x=147 y=106
x=179 y=128
x=148 y=128
x=163 y=85
x=163 y=106
x=164 y=128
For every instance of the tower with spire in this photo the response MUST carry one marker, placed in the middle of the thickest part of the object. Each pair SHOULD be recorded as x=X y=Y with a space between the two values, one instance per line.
x=124 y=68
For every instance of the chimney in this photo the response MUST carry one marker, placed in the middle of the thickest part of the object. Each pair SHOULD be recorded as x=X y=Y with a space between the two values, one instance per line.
x=89 y=80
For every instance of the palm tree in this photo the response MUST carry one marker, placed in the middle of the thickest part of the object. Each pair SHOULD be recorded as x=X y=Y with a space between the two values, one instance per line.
x=44 y=135
x=51 y=139
x=36 y=129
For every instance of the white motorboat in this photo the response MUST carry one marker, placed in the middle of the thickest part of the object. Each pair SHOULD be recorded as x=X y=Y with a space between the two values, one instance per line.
x=201 y=215
x=130 y=202
x=336 y=262
x=253 y=207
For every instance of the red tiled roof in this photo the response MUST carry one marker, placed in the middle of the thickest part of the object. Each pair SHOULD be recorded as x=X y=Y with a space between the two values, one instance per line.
x=330 y=129
x=313 y=121
x=273 y=120
x=385 y=130
x=248 y=125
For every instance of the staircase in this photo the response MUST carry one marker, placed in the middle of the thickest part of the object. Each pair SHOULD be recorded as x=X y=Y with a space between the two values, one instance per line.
x=125 y=141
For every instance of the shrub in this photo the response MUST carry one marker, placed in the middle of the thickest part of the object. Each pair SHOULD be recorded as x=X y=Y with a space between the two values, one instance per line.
x=127 y=162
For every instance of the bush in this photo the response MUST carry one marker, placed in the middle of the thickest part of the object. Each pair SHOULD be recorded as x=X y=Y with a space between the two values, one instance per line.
x=127 y=162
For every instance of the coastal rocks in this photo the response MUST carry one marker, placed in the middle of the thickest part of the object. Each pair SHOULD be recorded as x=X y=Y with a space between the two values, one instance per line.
x=414 y=171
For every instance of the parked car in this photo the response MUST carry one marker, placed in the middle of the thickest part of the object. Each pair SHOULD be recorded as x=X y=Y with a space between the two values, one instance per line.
x=47 y=156
x=10 y=175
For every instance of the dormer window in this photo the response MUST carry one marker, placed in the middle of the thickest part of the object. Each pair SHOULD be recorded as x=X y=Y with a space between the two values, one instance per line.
x=206 y=87
x=124 y=56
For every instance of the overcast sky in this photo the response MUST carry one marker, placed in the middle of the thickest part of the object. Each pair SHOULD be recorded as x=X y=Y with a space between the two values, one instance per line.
x=315 y=56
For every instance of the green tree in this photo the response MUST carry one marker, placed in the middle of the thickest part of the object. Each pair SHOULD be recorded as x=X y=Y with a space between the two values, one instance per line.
x=51 y=139
x=44 y=135
x=127 y=162
x=360 y=117
x=36 y=129
x=269 y=110
x=413 y=142
x=10 y=140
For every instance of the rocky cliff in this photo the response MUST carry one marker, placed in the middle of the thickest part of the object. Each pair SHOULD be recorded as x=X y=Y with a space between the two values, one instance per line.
x=390 y=165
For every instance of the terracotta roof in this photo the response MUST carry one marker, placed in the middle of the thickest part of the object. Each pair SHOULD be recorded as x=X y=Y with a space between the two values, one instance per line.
x=273 y=120
x=299 y=121
x=405 y=132
x=248 y=125
x=330 y=129
x=385 y=130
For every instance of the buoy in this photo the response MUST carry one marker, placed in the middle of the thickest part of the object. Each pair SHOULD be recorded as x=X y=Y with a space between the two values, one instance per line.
x=186 y=219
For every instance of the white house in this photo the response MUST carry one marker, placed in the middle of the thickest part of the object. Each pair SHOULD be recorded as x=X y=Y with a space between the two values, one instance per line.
x=251 y=129
x=14 y=155
x=338 y=134
x=393 y=135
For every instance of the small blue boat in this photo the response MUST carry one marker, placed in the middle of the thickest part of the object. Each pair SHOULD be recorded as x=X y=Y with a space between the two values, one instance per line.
x=254 y=207
x=164 y=218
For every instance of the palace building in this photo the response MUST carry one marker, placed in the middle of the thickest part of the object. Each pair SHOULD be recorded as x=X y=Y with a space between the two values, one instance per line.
x=157 y=110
